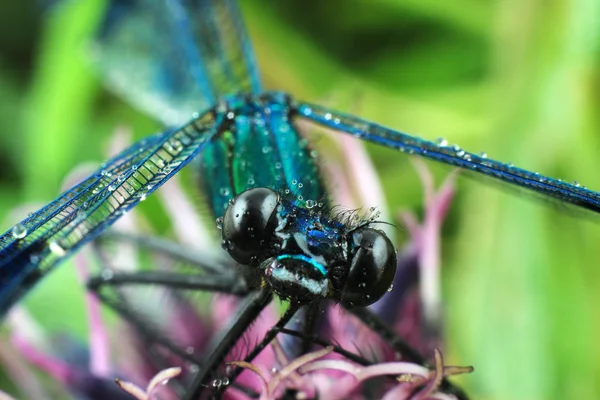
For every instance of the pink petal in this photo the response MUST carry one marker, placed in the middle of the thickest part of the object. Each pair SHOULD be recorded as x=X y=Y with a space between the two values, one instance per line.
x=56 y=368
x=132 y=389
x=399 y=392
x=20 y=374
x=188 y=225
x=5 y=396
x=161 y=379
x=297 y=363
x=339 y=188
x=254 y=369
x=98 y=334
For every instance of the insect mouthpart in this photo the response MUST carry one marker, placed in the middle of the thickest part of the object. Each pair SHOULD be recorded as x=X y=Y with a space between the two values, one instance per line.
x=297 y=277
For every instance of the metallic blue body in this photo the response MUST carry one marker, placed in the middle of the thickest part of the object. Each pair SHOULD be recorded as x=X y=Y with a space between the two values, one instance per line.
x=260 y=147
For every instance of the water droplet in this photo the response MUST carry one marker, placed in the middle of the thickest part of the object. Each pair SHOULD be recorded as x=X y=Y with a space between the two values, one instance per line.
x=81 y=214
x=107 y=274
x=441 y=142
x=251 y=181
x=217 y=382
x=300 y=185
x=391 y=288
x=483 y=155
x=225 y=381
x=112 y=187
x=19 y=231
x=143 y=196
x=294 y=182
x=576 y=184
x=56 y=248
x=310 y=204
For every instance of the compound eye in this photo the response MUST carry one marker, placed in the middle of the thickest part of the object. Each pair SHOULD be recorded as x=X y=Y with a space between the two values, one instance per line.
x=372 y=268
x=249 y=223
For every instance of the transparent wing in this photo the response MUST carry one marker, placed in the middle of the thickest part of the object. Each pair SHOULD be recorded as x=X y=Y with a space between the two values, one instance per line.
x=171 y=58
x=38 y=243
x=545 y=187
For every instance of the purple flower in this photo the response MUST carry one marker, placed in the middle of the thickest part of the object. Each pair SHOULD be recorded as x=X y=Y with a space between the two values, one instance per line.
x=117 y=362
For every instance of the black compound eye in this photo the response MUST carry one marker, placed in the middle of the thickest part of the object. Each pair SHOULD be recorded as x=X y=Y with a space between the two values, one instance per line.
x=372 y=268
x=249 y=223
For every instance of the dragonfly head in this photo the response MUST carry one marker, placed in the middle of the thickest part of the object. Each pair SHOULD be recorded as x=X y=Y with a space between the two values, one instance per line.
x=305 y=256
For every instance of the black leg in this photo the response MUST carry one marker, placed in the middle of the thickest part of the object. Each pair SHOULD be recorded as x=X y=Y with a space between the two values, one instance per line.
x=386 y=332
x=305 y=324
x=224 y=283
x=221 y=344
x=206 y=262
x=119 y=306
x=324 y=343
x=311 y=319
x=408 y=353
x=270 y=335
x=204 y=277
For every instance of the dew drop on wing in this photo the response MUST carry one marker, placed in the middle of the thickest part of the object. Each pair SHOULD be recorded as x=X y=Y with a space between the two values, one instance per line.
x=19 y=231
x=572 y=210
x=57 y=248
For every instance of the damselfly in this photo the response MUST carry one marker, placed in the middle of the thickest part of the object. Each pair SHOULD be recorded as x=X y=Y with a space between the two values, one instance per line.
x=229 y=134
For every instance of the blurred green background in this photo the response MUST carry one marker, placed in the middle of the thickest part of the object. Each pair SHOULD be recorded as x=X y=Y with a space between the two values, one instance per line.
x=518 y=79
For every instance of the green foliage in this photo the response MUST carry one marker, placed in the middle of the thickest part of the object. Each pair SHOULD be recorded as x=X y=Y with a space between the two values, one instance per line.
x=517 y=79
